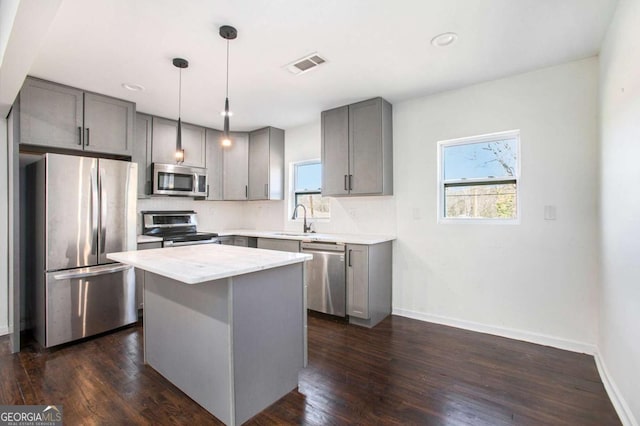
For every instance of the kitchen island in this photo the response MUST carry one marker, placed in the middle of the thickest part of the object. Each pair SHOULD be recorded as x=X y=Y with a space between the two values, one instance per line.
x=224 y=324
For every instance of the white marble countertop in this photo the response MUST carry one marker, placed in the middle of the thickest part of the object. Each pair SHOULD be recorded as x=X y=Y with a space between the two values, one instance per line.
x=290 y=235
x=141 y=239
x=200 y=263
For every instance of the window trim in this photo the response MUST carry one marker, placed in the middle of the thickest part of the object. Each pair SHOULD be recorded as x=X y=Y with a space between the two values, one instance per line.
x=441 y=182
x=293 y=193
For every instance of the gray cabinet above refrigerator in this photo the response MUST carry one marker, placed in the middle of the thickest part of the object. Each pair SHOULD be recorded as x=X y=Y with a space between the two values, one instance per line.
x=57 y=116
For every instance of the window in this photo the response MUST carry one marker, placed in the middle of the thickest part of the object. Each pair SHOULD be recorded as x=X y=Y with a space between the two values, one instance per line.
x=307 y=185
x=478 y=178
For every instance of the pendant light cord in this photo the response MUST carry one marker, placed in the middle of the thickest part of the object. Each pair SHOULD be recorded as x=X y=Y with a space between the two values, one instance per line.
x=180 y=95
x=227 y=68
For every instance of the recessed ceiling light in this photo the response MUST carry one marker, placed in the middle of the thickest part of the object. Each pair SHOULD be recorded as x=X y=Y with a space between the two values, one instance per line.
x=444 y=39
x=133 y=87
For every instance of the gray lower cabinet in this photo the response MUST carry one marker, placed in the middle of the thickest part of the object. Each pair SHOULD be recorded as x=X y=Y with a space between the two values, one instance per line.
x=142 y=154
x=235 y=168
x=57 y=116
x=234 y=240
x=357 y=149
x=266 y=164
x=140 y=273
x=279 y=244
x=165 y=134
x=214 y=164
x=368 y=283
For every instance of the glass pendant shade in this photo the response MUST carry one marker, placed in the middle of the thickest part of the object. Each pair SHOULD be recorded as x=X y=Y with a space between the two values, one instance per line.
x=179 y=150
x=226 y=140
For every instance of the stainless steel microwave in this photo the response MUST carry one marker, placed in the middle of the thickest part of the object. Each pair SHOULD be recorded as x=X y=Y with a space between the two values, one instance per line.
x=173 y=179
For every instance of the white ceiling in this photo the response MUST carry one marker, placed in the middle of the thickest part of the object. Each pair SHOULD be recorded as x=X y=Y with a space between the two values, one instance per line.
x=373 y=48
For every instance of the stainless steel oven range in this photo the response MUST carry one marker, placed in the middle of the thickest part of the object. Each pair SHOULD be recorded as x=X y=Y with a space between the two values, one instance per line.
x=176 y=228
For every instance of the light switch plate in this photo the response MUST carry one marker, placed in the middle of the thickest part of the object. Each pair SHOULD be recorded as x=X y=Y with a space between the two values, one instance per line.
x=549 y=212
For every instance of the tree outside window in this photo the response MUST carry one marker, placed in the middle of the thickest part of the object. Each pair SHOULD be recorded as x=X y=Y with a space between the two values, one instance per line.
x=307 y=190
x=479 y=178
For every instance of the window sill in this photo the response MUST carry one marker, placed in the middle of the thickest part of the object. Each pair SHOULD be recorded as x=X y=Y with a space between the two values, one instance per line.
x=461 y=221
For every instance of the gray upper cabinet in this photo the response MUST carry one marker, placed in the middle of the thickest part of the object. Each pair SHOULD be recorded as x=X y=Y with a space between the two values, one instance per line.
x=57 y=116
x=214 y=164
x=165 y=133
x=50 y=115
x=357 y=149
x=142 y=154
x=370 y=149
x=163 y=146
x=266 y=164
x=108 y=125
x=235 y=167
x=194 y=145
x=335 y=151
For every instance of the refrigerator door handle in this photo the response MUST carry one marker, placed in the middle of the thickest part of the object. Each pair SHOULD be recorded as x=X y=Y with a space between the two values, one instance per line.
x=94 y=211
x=103 y=215
x=91 y=272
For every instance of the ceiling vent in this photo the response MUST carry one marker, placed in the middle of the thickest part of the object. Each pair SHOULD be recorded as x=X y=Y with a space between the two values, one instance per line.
x=305 y=64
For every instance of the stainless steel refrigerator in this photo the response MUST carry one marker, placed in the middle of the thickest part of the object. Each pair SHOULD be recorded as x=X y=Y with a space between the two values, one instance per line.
x=82 y=209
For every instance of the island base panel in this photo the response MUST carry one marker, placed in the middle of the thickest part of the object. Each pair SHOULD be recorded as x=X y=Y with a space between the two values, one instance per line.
x=268 y=337
x=235 y=345
x=187 y=339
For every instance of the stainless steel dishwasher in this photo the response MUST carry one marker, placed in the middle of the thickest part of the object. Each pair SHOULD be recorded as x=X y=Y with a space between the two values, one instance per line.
x=325 y=274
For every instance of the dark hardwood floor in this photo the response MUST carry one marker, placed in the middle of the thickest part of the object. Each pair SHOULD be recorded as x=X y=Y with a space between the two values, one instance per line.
x=401 y=372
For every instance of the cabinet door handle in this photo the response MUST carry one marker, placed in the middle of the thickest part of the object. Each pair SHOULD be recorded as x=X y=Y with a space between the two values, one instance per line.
x=79 y=135
x=87 y=142
x=346 y=177
x=349 y=256
x=350 y=182
x=266 y=190
x=246 y=191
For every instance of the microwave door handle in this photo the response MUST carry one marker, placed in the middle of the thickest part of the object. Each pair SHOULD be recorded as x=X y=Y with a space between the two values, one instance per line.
x=195 y=183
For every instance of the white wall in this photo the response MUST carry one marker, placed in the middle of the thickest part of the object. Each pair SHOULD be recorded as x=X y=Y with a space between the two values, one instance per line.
x=357 y=215
x=4 y=238
x=619 y=342
x=537 y=280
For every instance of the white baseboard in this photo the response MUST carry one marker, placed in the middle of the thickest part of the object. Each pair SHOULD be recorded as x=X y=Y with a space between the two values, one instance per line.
x=619 y=403
x=527 y=336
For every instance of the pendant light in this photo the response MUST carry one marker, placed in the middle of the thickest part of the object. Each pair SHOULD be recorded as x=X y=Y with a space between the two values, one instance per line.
x=228 y=33
x=180 y=63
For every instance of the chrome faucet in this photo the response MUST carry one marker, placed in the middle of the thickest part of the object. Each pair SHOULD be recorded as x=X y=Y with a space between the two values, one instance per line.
x=304 y=223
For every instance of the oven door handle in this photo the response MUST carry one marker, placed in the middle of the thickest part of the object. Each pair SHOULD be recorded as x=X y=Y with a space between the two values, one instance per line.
x=190 y=243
